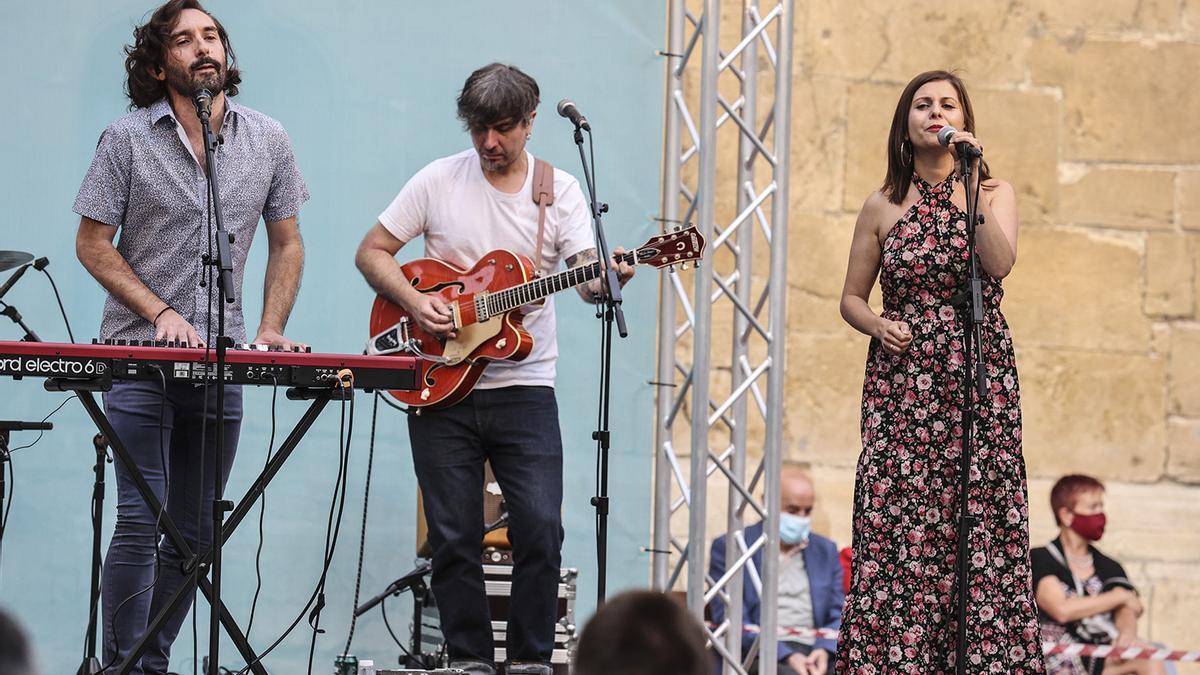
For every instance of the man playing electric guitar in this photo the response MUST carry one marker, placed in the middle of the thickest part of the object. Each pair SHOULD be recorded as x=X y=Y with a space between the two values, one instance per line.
x=464 y=206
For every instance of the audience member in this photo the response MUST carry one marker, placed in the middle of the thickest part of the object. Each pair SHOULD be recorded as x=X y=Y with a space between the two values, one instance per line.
x=642 y=633
x=810 y=584
x=16 y=656
x=1083 y=596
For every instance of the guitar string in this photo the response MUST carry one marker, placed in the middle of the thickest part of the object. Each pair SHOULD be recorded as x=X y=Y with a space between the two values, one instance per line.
x=523 y=294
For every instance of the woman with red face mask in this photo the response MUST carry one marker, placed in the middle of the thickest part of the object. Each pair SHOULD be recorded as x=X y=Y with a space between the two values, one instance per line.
x=1083 y=596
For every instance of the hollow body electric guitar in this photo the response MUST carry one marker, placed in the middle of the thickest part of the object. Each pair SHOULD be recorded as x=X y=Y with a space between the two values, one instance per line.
x=482 y=301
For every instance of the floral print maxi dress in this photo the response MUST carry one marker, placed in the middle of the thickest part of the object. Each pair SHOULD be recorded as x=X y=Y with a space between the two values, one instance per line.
x=900 y=614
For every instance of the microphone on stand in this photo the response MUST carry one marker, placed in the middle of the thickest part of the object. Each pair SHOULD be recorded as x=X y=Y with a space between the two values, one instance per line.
x=202 y=99
x=964 y=149
x=567 y=109
x=38 y=265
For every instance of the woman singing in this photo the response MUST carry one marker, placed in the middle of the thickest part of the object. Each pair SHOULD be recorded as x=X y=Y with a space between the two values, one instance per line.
x=900 y=614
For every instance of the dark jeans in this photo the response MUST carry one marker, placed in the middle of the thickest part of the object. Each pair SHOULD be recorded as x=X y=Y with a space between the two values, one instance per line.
x=134 y=409
x=516 y=428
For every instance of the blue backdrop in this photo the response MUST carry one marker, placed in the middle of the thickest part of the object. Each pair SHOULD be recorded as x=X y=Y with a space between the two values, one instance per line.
x=366 y=90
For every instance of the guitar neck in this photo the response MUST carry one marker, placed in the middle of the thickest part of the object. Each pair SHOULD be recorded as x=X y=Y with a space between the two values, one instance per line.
x=532 y=291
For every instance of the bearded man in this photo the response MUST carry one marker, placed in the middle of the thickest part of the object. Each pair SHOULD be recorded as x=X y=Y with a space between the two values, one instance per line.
x=148 y=180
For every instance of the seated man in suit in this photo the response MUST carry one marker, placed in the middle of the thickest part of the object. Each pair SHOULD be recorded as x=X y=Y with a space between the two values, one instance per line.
x=810 y=585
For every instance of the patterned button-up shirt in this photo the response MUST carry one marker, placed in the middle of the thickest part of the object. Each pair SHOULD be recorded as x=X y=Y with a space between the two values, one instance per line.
x=146 y=180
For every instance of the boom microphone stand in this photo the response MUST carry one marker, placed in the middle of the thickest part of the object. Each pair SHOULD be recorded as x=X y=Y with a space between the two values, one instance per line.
x=974 y=377
x=10 y=310
x=612 y=310
x=225 y=291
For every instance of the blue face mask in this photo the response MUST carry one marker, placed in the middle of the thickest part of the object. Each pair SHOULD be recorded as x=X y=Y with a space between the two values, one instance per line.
x=794 y=529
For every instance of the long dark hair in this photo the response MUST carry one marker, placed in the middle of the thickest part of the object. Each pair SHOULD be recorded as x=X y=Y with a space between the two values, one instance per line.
x=899 y=147
x=148 y=54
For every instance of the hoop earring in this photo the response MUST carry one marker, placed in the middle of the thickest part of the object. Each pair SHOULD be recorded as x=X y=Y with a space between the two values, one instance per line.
x=906 y=151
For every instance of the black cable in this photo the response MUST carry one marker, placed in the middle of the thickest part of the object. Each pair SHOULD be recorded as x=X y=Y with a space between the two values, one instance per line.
x=386 y=623
x=262 y=510
x=60 y=304
x=362 y=539
x=6 y=508
x=162 y=507
x=388 y=400
x=47 y=417
x=318 y=590
x=314 y=617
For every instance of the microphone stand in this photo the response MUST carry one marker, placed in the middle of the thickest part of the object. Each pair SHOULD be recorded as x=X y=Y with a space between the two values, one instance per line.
x=10 y=310
x=90 y=664
x=225 y=292
x=974 y=378
x=612 y=310
x=7 y=427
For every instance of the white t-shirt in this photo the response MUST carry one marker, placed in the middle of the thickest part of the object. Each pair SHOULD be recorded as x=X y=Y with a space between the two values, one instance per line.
x=462 y=217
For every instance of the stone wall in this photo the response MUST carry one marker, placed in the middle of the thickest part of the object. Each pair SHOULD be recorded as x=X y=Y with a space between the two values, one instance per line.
x=1092 y=111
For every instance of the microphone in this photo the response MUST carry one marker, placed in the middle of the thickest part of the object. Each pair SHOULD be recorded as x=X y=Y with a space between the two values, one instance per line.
x=567 y=109
x=202 y=99
x=964 y=149
x=38 y=264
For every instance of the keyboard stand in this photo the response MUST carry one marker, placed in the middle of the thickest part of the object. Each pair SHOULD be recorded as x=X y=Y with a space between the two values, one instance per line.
x=84 y=391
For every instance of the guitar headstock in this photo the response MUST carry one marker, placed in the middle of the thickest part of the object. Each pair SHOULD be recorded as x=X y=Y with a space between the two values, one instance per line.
x=671 y=248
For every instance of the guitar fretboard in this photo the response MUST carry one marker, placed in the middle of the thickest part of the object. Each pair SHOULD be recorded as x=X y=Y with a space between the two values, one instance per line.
x=532 y=291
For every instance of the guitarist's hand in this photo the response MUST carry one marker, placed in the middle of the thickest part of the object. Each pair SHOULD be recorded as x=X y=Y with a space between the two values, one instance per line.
x=595 y=289
x=433 y=316
x=624 y=269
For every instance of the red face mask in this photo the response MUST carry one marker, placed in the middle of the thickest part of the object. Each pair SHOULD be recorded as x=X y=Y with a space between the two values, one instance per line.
x=1090 y=527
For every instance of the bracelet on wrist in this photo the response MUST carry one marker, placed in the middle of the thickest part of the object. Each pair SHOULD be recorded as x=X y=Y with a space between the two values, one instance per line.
x=159 y=315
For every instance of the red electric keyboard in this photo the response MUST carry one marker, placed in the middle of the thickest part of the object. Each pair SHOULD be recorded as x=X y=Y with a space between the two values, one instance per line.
x=244 y=364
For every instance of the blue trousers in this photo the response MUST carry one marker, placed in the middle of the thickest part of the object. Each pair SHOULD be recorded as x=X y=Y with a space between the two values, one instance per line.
x=516 y=428
x=172 y=454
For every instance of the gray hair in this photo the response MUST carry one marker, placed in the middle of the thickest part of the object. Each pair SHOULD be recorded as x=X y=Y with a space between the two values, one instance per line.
x=496 y=93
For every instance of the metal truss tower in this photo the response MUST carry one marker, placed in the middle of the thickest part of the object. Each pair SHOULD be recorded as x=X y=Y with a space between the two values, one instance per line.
x=720 y=406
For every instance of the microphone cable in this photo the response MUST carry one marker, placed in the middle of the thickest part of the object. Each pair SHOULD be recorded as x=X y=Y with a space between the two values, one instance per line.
x=262 y=510
x=58 y=297
x=362 y=538
x=331 y=533
x=6 y=507
x=314 y=617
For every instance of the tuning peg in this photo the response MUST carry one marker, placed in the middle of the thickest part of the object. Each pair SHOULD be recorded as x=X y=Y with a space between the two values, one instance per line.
x=682 y=266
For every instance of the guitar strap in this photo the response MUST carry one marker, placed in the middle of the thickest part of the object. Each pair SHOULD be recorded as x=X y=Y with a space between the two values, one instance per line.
x=543 y=196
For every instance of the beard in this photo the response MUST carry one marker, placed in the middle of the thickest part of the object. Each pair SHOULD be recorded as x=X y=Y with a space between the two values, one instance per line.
x=187 y=81
x=496 y=165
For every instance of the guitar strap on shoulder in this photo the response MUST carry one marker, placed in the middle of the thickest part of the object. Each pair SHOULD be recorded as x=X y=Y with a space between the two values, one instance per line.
x=543 y=196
